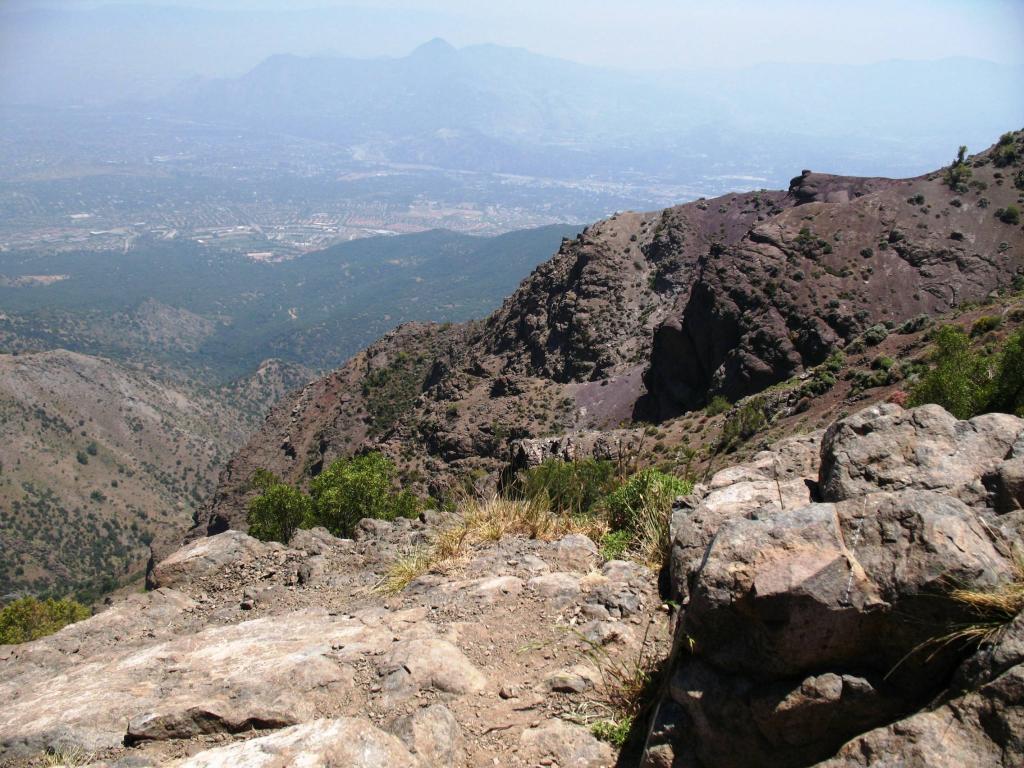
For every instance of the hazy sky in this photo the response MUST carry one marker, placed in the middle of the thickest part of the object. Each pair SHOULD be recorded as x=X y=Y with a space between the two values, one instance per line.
x=690 y=33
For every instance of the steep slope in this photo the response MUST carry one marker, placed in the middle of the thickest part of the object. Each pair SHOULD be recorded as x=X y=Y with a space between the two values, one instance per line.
x=645 y=317
x=100 y=460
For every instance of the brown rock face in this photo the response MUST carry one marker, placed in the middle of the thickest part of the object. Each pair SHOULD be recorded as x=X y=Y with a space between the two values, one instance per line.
x=647 y=316
x=840 y=255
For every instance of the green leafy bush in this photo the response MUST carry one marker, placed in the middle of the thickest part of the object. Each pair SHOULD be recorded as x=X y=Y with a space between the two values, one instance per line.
x=959 y=380
x=342 y=495
x=875 y=335
x=823 y=377
x=1008 y=389
x=279 y=511
x=614 y=544
x=568 y=487
x=718 y=404
x=742 y=424
x=1009 y=215
x=29 y=619
x=641 y=506
x=985 y=324
x=959 y=173
x=351 y=489
x=615 y=732
x=1006 y=152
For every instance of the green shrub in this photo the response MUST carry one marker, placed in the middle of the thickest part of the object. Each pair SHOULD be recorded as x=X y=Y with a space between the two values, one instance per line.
x=875 y=335
x=279 y=511
x=985 y=324
x=569 y=487
x=1006 y=152
x=1009 y=215
x=915 y=324
x=642 y=506
x=29 y=619
x=351 y=489
x=717 y=405
x=959 y=380
x=1008 y=390
x=742 y=424
x=614 y=544
x=959 y=173
x=615 y=732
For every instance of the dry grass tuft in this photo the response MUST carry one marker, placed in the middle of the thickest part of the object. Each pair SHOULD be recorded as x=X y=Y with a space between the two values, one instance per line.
x=486 y=520
x=995 y=607
x=72 y=757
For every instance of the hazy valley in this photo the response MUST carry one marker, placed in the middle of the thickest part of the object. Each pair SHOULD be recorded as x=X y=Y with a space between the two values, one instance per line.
x=648 y=396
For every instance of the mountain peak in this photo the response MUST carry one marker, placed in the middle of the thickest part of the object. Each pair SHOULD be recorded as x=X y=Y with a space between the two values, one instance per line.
x=434 y=48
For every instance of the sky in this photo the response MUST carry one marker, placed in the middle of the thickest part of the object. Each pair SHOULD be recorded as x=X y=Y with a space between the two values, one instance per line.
x=670 y=34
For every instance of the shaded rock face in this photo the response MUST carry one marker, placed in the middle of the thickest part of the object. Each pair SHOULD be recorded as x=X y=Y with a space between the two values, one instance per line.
x=644 y=316
x=811 y=616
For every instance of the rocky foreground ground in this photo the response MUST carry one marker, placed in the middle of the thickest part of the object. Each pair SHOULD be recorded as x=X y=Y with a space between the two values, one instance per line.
x=815 y=586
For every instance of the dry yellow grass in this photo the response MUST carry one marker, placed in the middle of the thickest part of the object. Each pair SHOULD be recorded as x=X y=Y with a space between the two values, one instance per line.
x=486 y=520
x=995 y=607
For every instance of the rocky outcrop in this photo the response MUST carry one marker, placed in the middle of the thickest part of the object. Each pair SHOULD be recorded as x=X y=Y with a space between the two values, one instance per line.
x=816 y=617
x=836 y=256
x=253 y=653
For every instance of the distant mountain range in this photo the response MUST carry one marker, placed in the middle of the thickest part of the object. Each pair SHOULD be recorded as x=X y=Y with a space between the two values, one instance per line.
x=494 y=109
x=488 y=108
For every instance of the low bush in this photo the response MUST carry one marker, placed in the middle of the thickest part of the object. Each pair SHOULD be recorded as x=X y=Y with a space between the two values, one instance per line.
x=959 y=380
x=355 y=488
x=569 y=487
x=875 y=335
x=641 y=506
x=742 y=424
x=1009 y=215
x=1008 y=389
x=278 y=511
x=28 y=619
x=959 y=173
x=718 y=404
x=349 y=490
x=985 y=324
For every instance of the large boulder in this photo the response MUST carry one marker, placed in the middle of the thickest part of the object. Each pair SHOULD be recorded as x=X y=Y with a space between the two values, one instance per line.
x=808 y=626
x=772 y=480
x=888 y=448
x=205 y=558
